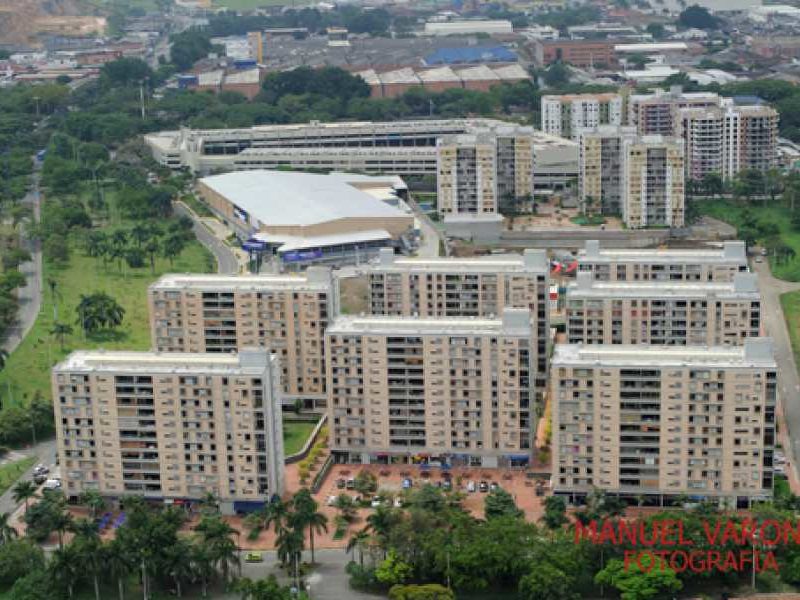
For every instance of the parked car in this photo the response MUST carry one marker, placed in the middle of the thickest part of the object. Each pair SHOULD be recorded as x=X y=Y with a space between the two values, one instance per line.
x=483 y=486
x=407 y=483
x=52 y=484
x=376 y=502
x=493 y=486
x=470 y=486
x=331 y=500
x=351 y=484
x=253 y=557
x=39 y=478
x=340 y=483
x=779 y=469
x=398 y=503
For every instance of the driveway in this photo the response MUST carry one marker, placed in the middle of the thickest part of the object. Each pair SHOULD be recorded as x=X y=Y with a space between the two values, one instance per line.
x=226 y=259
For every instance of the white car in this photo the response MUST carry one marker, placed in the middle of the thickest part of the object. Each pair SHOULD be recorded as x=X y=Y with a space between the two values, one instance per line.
x=471 y=486
x=331 y=500
x=779 y=469
x=376 y=502
x=52 y=484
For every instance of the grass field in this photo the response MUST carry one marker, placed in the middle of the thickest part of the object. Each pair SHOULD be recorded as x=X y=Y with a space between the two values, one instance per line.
x=731 y=212
x=11 y=472
x=27 y=369
x=295 y=434
x=791 y=312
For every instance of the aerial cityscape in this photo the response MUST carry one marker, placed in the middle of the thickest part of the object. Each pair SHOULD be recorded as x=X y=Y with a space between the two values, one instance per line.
x=404 y=300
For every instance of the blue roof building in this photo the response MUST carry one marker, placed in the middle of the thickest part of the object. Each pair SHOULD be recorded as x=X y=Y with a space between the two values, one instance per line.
x=470 y=54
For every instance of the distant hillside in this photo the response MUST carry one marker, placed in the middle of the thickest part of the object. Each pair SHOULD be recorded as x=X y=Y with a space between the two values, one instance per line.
x=22 y=20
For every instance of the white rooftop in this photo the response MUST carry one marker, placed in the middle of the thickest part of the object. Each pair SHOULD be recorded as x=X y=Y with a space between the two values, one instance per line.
x=314 y=278
x=513 y=321
x=281 y=198
x=731 y=252
x=533 y=261
x=247 y=362
x=756 y=352
x=743 y=286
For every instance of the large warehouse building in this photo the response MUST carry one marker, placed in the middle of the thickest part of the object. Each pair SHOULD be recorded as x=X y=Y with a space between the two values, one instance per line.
x=304 y=218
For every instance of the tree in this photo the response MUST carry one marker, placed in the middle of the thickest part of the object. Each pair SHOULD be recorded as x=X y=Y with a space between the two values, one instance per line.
x=178 y=563
x=656 y=30
x=99 y=311
x=7 y=532
x=125 y=71
x=499 y=503
x=3 y=358
x=557 y=74
x=712 y=184
x=358 y=541
x=697 y=17
x=393 y=570
x=216 y=536
x=17 y=558
x=90 y=550
x=263 y=589
x=429 y=591
x=61 y=331
x=547 y=582
x=118 y=564
x=555 y=509
x=289 y=546
x=56 y=248
x=66 y=568
x=307 y=516
x=14 y=257
x=35 y=585
x=23 y=492
x=93 y=501
x=188 y=47
x=366 y=483
x=635 y=584
x=172 y=247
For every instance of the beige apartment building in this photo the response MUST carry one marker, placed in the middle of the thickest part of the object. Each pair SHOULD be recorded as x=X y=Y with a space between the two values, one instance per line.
x=567 y=115
x=287 y=314
x=664 y=264
x=601 y=181
x=652 y=182
x=663 y=313
x=436 y=390
x=467 y=287
x=467 y=177
x=657 y=113
x=172 y=427
x=660 y=423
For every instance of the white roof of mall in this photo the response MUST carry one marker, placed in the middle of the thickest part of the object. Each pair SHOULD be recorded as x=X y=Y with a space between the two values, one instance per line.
x=290 y=198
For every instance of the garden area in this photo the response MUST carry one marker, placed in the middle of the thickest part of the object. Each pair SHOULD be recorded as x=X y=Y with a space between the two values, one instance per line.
x=295 y=435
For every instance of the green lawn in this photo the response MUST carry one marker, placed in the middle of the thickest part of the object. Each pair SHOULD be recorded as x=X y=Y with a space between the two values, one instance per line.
x=27 y=369
x=588 y=220
x=731 y=211
x=11 y=472
x=791 y=312
x=295 y=434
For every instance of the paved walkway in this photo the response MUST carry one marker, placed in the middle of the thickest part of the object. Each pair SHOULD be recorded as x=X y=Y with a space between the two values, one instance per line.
x=227 y=261
x=30 y=296
x=788 y=380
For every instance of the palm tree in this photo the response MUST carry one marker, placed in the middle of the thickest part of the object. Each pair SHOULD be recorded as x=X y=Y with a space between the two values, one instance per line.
x=178 y=559
x=61 y=331
x=172 y=247
x=276 y=513
x=289 y=545
x=216 y=535
x=66 y=568
x=89 y=548
x=316 y=523
x=93 y=501
x=209 y=505
x=203 y=565
x=380 y=522
x=62 y=522
x=6 y=530
x=118 y=564
x=23 y=492
x=357 y=541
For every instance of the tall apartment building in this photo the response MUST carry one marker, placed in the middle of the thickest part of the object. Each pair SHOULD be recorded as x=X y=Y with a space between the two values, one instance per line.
x=287 y=314
x=600 y=161
x=453 y=390
x=663 y=313
x=467 y=177
x=661 y=422
x=467 y=287
x=653 y=182
x=712 y=264
x=656 y=113
x=170 y=426
x=728 y=138
x=569 y=114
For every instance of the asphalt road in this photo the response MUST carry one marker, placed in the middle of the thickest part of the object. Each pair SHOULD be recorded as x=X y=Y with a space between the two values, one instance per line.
x=46 y=452
x=775 y=326
x=226 y=260
x=429 y=248
x=30 y=297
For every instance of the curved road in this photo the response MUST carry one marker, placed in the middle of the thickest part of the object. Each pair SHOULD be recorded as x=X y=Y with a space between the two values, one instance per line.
x=30 y=296
x=226 y=260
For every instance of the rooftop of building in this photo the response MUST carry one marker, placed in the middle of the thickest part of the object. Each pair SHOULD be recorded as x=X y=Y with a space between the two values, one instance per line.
x=246 y=362
x=281 y=198
x=755 y=353
x=532 y=261
x=314 y=278
x=600 y=97
x=513 y=322
x=731 y=252
x=744 y=286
